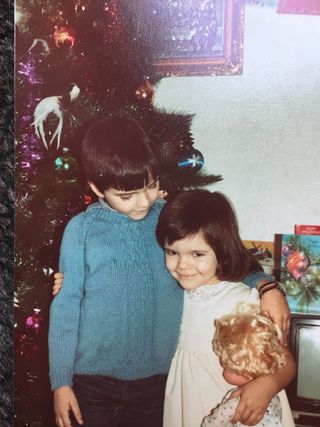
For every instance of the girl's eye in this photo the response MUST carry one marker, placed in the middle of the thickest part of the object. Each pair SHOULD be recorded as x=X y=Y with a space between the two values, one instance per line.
x=169 y=252
x=198 y=254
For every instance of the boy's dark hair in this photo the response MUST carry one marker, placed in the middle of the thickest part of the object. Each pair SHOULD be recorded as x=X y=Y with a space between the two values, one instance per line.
x=117 y=153
x=212 y=214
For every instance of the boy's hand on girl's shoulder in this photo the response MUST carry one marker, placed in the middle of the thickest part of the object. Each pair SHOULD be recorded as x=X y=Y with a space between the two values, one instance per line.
x=58 y=279
x=64 y=402
x=274 y=304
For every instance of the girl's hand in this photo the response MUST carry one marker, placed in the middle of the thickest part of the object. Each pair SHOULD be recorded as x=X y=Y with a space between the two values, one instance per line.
x=58 y=279
x=65 y=401
x=274 y=305
x=255 y=397
x=162 y=194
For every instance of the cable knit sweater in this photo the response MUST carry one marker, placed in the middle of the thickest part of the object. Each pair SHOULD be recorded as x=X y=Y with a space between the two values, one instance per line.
x=119 y=310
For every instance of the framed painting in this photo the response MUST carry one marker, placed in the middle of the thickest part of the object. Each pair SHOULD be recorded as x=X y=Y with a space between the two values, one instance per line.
x=195 y=37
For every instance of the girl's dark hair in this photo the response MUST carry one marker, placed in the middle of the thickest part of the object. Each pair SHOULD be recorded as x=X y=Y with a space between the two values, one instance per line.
x=211 y=214
x=117 y=153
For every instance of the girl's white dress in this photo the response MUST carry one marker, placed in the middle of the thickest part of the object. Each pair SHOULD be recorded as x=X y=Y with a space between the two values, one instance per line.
x=195 y=383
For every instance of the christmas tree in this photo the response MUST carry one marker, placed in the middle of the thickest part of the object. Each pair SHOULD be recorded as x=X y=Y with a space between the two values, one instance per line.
x=76 y=61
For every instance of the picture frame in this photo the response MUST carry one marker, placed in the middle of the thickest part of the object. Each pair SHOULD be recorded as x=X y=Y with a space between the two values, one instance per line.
x=198 y=37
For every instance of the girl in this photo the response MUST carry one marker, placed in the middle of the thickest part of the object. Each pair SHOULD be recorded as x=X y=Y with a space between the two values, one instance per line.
x=203 y=251
x=247 y=344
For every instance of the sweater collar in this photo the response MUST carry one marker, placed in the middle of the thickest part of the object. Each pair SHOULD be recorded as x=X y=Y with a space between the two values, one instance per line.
x=117 y=216
x=106 y=205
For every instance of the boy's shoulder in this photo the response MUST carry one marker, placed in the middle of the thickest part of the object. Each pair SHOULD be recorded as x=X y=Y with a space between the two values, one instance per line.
x=87 y=212
x=155 y=210
x=83 y=216
x=159 y=204
x=76 y=221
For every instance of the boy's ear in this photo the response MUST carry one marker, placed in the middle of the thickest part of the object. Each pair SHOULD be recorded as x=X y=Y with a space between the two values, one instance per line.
x=95 y=190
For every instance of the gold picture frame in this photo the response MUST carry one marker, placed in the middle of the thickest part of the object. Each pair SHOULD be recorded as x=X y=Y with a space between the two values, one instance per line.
x=197 y=37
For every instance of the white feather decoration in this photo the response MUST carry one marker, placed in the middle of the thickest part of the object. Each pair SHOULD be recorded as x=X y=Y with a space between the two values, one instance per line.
x=51 y=104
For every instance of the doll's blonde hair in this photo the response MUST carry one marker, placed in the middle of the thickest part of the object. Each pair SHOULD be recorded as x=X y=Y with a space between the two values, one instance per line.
x=247 y=342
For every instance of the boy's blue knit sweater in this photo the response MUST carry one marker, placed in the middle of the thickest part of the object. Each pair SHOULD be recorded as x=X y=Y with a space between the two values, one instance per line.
x=119 y=310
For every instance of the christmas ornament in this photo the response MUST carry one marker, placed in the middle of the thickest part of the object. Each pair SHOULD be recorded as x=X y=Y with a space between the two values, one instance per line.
x=34 y=321
x=87 y=199
x=64 y=37
x=191 y=160
x=145 y=92
x=28 y=340
x=66 y=166
x=51 y=104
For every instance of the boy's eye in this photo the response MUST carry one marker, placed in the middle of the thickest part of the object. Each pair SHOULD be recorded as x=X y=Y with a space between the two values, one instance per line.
x=198 y=254
x=153 y=185
x=125 y=197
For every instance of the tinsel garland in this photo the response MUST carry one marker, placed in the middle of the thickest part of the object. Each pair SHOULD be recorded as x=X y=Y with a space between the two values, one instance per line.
x=6 y=211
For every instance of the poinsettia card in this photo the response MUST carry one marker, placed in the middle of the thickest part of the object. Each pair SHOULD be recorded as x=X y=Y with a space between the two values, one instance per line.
x=300 y=272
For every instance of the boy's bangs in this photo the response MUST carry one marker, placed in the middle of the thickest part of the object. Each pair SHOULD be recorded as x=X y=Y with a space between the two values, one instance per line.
x=135 y=179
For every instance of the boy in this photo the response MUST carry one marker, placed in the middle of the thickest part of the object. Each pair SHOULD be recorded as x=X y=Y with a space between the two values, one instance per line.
x=115 y=324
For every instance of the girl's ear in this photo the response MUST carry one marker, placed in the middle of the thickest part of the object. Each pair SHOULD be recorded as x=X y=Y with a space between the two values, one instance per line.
x=95 y=190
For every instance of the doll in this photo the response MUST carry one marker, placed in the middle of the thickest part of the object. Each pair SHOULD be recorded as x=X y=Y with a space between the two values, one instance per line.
x=247 y=344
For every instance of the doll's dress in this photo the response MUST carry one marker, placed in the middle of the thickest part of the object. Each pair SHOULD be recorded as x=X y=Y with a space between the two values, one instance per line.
x=223 y=413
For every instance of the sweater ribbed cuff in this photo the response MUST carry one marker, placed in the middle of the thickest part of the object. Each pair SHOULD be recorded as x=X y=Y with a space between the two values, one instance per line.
x=60 y=377
x=255 y=277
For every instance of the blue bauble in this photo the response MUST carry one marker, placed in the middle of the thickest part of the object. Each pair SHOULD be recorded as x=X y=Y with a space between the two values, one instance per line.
x=191 y=160
x=66 y=167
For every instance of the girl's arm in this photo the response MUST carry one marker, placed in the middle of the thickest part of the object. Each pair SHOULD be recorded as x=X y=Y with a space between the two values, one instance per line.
x=273 y=303
x=256 y=395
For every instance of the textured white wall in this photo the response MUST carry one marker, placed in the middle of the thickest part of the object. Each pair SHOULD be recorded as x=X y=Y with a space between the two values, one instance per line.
x=261 y=130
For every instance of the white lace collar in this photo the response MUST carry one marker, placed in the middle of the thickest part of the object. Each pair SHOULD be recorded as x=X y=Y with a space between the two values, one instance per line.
x=206 y=291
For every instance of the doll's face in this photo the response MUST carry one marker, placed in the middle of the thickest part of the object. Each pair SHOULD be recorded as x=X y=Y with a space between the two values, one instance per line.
x=233 y=378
